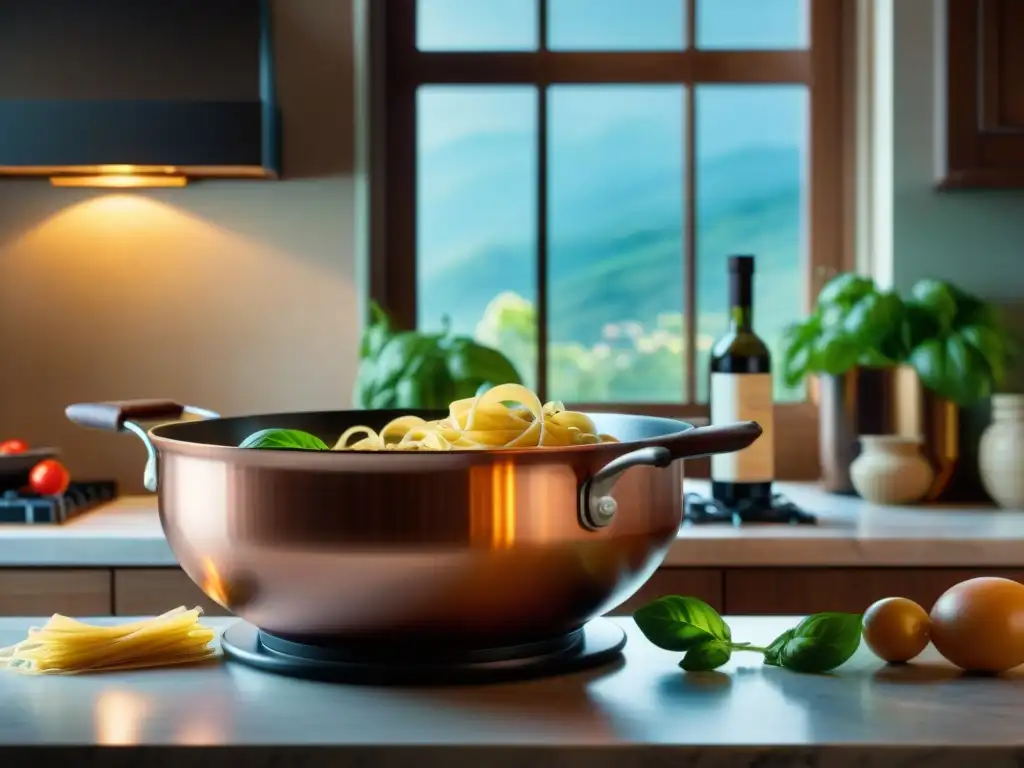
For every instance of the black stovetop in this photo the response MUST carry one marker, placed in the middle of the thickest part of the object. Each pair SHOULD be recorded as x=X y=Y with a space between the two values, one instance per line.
x=703 y=510
x=31 y=508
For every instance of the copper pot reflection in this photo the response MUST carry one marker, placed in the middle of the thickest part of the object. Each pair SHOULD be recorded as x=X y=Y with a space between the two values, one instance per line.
x=884 y=401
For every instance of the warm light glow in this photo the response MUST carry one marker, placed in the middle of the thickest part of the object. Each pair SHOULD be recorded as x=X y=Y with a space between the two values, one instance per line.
x=213 y=584
x=120 y=181
x=188 y=171
x=119 y=716
x=169 y=170
x=503 y=504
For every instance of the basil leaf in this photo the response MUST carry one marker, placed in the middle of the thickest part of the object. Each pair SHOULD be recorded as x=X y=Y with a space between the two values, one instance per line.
x=284 y=438
x=772 y=652
x=798 y=350
x=836 y=352
x=819 y=643
x=845 y=289
x=938 y=298
x=471 y=365
x=991 y=346
x=953 y=369
x=872 y=317
x=679 y=623
x=705 y=656
x=377 y=333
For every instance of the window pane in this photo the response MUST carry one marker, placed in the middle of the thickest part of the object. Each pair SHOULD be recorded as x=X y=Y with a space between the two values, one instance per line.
x=476 y=25
x=476 y=208
x=615 y=25
x=615 y=267
x=751 y=198
x=757 y=24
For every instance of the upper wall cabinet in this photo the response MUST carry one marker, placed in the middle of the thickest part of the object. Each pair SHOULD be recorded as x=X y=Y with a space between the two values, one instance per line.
x=137 y=93
x=985 y=94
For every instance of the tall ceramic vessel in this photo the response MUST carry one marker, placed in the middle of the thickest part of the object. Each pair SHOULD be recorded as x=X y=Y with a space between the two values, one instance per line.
x=1001 y=453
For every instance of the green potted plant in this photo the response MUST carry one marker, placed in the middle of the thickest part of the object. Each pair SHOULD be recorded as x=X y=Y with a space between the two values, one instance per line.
x=888 y=364
x=401 y=369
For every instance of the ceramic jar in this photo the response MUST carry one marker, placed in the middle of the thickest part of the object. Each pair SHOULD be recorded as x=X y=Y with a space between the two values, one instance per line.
x=1001 y=452
x=891 y=470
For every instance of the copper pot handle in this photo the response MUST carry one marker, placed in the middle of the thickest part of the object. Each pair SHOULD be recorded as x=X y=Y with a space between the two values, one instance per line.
x=125 y=415
x=597 y=507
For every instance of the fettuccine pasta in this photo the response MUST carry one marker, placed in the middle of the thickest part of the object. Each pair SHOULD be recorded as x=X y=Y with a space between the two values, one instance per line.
x=506 y=416
x=66 y=646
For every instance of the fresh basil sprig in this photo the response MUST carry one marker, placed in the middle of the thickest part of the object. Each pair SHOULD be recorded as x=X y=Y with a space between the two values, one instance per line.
x=679 y=623
x=706 y=655
x=819 y=643
x=284 y=438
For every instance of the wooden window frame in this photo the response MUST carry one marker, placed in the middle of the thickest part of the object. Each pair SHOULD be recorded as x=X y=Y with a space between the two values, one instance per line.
x=397 y=68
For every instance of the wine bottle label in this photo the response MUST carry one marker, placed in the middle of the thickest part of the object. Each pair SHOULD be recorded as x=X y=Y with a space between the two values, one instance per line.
x=744 y=397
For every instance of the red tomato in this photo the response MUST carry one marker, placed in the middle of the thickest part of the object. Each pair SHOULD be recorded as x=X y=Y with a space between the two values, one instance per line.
x=49 y=478
x=13 y=446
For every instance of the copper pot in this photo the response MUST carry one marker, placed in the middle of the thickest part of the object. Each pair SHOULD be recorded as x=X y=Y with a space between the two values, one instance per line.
x=469 y=547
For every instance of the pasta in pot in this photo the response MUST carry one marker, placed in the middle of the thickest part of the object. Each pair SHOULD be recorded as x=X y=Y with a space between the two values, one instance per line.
x=506 y=416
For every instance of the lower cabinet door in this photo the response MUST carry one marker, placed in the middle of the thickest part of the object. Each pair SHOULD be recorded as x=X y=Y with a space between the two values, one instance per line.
x=152 y=591
x=44 y=592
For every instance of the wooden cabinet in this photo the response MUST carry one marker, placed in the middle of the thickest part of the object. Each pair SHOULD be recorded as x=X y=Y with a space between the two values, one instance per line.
x=705 y=583
x=72 y=592
x=984 y=114
x=799 y=591
x=732 y=591
x=152 y=591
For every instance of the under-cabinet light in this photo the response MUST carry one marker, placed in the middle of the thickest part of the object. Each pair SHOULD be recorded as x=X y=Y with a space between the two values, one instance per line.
x=120 y=181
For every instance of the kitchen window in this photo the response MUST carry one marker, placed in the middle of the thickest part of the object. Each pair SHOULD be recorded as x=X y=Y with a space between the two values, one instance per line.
x=565 y=179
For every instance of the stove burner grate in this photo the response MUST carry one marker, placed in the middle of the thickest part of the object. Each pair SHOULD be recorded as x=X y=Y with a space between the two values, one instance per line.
x=598 y=643
x=31 y=508
x=700 y=510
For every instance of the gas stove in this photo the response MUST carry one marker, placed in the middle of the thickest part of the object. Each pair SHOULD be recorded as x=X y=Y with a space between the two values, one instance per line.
x=31 y=508
x=703 y=510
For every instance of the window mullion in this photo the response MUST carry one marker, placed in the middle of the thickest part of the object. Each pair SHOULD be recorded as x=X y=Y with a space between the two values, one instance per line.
x=542 y=211
x=690 y=225
x=690 y=248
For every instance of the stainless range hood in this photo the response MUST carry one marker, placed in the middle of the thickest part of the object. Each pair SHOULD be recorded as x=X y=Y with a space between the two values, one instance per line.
x=137 y=93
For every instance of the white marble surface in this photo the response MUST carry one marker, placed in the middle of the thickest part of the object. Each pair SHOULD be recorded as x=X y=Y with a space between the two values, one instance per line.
x=851 y=532
x=124 y=533
x=864 y=714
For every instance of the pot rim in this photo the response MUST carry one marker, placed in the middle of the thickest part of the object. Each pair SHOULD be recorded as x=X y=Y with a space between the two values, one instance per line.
x=373 y=459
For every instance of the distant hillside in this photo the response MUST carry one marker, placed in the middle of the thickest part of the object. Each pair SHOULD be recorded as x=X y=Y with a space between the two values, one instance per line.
x=619 y=256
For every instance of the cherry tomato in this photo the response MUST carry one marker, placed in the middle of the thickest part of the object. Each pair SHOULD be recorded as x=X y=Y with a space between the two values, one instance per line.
x=49 y=478
x=13 y=446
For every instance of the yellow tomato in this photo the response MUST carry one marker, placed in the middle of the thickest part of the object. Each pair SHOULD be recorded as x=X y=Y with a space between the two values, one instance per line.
x=979 y=624
x=896 y=629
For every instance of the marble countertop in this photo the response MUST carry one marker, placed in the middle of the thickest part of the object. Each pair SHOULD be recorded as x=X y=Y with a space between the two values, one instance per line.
x=851 y=532
x=640 y=712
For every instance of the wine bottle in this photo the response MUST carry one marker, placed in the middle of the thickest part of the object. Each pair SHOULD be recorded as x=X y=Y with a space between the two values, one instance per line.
x=741 y=390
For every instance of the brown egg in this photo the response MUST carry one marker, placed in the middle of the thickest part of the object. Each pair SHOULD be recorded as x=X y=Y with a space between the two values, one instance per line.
x=896 y=629
x=979 y=624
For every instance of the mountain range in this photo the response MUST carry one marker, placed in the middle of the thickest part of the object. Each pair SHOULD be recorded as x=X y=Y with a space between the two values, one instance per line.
x=615 y=230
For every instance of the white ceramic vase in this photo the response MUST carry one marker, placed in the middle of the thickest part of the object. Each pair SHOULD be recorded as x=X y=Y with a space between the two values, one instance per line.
x=1001 y=452
x=891 y=470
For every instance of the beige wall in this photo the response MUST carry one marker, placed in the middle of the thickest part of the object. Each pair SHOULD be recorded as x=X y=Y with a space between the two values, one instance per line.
x=238 y=296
